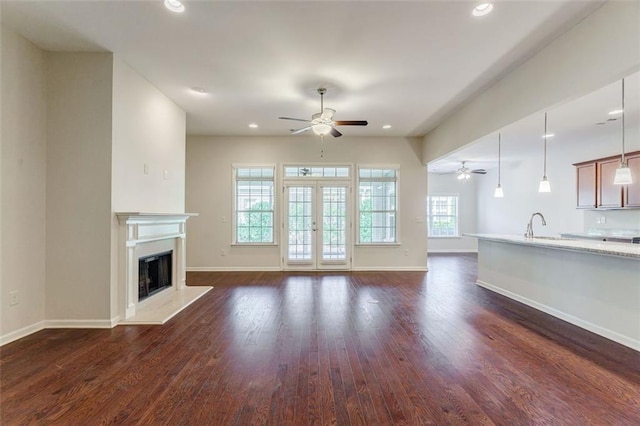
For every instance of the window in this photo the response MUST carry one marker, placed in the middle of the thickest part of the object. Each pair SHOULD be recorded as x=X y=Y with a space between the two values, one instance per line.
x=442 y=216
x=316 y=171
x=377 y=191
x=254 y=205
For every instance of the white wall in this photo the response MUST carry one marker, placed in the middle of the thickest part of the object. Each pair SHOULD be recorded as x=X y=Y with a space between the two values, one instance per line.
x=209 y=193
x=23 y=154
x=601 y=49
x=510 y=215
x=79 y=108
x=448 y=184
x=148 y=129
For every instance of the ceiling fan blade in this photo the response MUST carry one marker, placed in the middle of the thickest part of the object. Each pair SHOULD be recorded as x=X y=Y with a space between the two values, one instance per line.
x=328 y=113
x=304 y=129
x=479 y=171
x=351 y=123
x=335 y=133
x=296 y=119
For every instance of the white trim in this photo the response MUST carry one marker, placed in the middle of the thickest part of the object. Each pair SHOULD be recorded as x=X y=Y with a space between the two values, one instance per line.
x=23 y=332
x=78 y=323
x=452 y=250
x=233 y=268
x=390 y=268
x=604 y=332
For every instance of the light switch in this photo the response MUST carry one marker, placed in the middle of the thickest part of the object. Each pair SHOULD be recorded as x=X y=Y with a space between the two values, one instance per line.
x=146 y=169
x=166 y=174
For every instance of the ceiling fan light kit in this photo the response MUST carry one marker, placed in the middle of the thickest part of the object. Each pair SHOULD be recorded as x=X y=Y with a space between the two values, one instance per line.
x=322 y=122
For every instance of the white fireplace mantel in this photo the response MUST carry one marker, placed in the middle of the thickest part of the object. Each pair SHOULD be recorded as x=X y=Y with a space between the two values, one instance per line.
x=138 y=232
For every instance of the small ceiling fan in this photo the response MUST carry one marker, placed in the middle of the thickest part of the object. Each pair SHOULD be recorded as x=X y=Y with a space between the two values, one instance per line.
x=464 y=173
x=322 y=122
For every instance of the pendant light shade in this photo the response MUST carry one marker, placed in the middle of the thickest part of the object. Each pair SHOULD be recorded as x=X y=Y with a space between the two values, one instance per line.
x=623 y=172
x=545 y=185
x=499 y=193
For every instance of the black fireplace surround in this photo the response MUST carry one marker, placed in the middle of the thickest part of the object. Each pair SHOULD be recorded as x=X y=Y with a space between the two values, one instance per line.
x=154 y=273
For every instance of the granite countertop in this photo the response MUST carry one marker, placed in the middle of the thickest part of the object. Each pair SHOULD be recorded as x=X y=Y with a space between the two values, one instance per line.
x=621 y=236
x=627 y=250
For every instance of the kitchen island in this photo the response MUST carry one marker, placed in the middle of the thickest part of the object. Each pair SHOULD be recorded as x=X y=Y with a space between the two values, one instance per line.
x=592 y=284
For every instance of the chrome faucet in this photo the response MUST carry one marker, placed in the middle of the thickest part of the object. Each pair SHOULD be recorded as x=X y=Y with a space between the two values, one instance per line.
x=529 y=233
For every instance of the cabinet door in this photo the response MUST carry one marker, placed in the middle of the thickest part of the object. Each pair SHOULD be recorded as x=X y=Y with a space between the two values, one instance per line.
x=632 y=192
x=609 y=195
x=586 y=180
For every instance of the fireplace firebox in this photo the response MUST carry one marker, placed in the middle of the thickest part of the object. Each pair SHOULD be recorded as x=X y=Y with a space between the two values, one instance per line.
x=154 y=273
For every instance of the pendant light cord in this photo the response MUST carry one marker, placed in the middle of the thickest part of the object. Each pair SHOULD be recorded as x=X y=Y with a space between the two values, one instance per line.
x=623 y=162
x=499 y=159
x=545 y=145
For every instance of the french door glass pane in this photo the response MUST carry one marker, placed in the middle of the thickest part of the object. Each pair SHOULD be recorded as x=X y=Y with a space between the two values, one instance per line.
x=300 y=223
x=334 y=224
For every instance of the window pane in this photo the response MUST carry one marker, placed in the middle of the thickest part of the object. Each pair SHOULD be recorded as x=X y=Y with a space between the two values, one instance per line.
x=254 y=204
x=377 y=203
x=442 y=216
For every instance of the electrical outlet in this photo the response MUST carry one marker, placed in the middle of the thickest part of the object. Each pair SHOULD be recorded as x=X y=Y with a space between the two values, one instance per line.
x=13 y=298
x=406 y=252
x=223 y=252
x=166 y=174
x=146 y=169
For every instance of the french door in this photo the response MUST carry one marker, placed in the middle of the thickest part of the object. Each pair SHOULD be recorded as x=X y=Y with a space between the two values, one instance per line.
x=317 y=225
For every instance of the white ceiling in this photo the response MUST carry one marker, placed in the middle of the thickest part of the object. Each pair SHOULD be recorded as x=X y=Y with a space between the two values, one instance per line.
x=407 y=64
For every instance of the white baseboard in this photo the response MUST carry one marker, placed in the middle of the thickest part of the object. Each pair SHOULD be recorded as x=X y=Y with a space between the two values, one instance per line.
x=23 y=332
x=233 y=268
x=451 y=251
x=601 y=331
x=390 y=268
x=78 y=324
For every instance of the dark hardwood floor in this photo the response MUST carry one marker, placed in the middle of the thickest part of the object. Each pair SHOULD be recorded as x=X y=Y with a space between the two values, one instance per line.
x=372 y=348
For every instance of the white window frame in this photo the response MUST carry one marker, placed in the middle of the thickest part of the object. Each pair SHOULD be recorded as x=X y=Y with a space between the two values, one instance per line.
x=356 y=201
x=234 y=213
x=457 y=216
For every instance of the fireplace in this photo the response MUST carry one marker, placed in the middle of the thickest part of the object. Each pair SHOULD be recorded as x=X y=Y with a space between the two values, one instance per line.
x=141 y=277
x=154 y=274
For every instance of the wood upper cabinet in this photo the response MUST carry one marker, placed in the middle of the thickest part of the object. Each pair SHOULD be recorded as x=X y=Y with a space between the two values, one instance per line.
x=632 y=192
x=609 y=195
x=595 y=188
x=586 y=179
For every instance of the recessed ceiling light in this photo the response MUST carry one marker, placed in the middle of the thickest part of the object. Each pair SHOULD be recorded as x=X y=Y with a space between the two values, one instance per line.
x=386 y=126
x=199 y=91
x=253 y=125
x=615 y=111
x=482 y=9
x=174 y=5
x=548 y=135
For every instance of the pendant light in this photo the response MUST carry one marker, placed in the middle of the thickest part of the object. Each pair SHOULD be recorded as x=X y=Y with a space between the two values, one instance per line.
x=623 y=172
x=545 y=185
x=498 y=193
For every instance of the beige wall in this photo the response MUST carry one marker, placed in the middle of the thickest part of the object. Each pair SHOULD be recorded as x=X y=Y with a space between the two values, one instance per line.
x=78 y=186
x=23 y=154
x=150 y=129
x=599 y=50
x=209 y=193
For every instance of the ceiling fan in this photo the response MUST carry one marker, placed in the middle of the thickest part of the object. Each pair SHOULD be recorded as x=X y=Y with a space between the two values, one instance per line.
x=464 y=173
x=322 y=122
